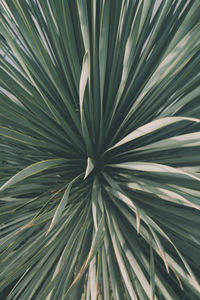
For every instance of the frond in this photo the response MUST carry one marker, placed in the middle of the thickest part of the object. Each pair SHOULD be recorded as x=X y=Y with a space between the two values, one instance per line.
x=99 y=149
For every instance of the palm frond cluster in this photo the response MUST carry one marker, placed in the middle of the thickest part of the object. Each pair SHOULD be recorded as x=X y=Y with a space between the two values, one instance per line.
x=100 y=149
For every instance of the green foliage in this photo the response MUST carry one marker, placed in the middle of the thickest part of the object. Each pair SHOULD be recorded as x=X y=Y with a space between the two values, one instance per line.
x=99 y=149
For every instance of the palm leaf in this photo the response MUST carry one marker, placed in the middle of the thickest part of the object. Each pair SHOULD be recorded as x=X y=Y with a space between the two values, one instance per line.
x=99 y=149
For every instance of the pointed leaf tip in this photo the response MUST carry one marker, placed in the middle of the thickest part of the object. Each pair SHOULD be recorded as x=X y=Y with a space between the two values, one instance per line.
x=89 y=168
